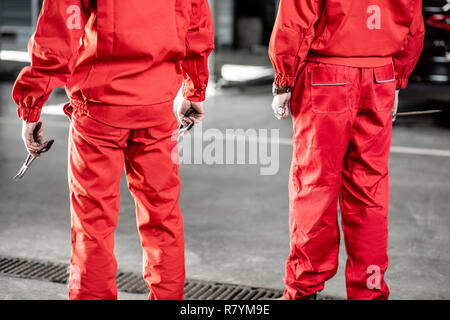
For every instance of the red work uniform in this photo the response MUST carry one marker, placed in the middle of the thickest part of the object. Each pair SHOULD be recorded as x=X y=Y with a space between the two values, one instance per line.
x=344 y=60
x=122 y=63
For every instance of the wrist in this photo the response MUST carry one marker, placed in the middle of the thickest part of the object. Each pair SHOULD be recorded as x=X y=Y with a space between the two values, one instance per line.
x=276 y=89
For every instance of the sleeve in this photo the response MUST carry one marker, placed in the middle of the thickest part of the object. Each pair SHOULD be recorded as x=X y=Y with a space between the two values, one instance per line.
x=405 y=60
x=292 y=37
x=53 y=50
x=199 y=45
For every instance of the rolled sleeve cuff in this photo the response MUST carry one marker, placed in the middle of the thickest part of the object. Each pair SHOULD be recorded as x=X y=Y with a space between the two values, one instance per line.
x=284 y=81
x=191 y=93
x=195 y=95
x=401 y=83
x=29 y=115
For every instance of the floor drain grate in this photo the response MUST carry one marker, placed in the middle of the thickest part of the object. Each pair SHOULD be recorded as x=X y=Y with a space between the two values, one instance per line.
x=133 y=282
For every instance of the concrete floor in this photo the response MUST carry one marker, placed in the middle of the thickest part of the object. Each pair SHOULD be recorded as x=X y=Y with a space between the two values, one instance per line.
x=25 y=289
x=235 y=219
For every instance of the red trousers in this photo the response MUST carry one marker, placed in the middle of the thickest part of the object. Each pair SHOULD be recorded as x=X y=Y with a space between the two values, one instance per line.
x=98 y=154
x=342 y=119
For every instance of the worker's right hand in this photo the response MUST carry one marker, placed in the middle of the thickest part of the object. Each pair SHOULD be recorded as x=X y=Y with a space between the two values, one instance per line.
x=197 y=116
x=281 y=101
x=27 y=136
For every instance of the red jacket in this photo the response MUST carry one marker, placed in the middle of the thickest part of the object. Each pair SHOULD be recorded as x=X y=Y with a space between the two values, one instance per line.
x=132 y=52
x=359 y=33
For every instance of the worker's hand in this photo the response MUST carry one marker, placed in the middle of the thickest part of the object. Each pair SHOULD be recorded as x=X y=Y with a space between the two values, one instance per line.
x=395 y=109
x=197 y=116
x=27 y=136
x=282 y=101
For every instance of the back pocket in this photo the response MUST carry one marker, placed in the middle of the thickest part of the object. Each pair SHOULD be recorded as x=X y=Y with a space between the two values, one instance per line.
x=329 y=89
x=384 y=87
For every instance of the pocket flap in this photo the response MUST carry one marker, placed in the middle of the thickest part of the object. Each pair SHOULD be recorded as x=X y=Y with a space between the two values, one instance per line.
x=328 y=76
x=384 y=74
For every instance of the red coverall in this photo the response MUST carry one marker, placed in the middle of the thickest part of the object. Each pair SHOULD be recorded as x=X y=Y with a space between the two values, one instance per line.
x=122 y=63
x=344 y=58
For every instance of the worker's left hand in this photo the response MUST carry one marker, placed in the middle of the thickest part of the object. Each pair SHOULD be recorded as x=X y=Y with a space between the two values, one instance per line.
x=197 y=116
x=395 y=109
x=281 y=102
x=27 y=136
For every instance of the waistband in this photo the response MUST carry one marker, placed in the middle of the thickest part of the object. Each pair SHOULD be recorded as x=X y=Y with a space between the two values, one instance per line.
x=124 y=117
x=358 y=62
